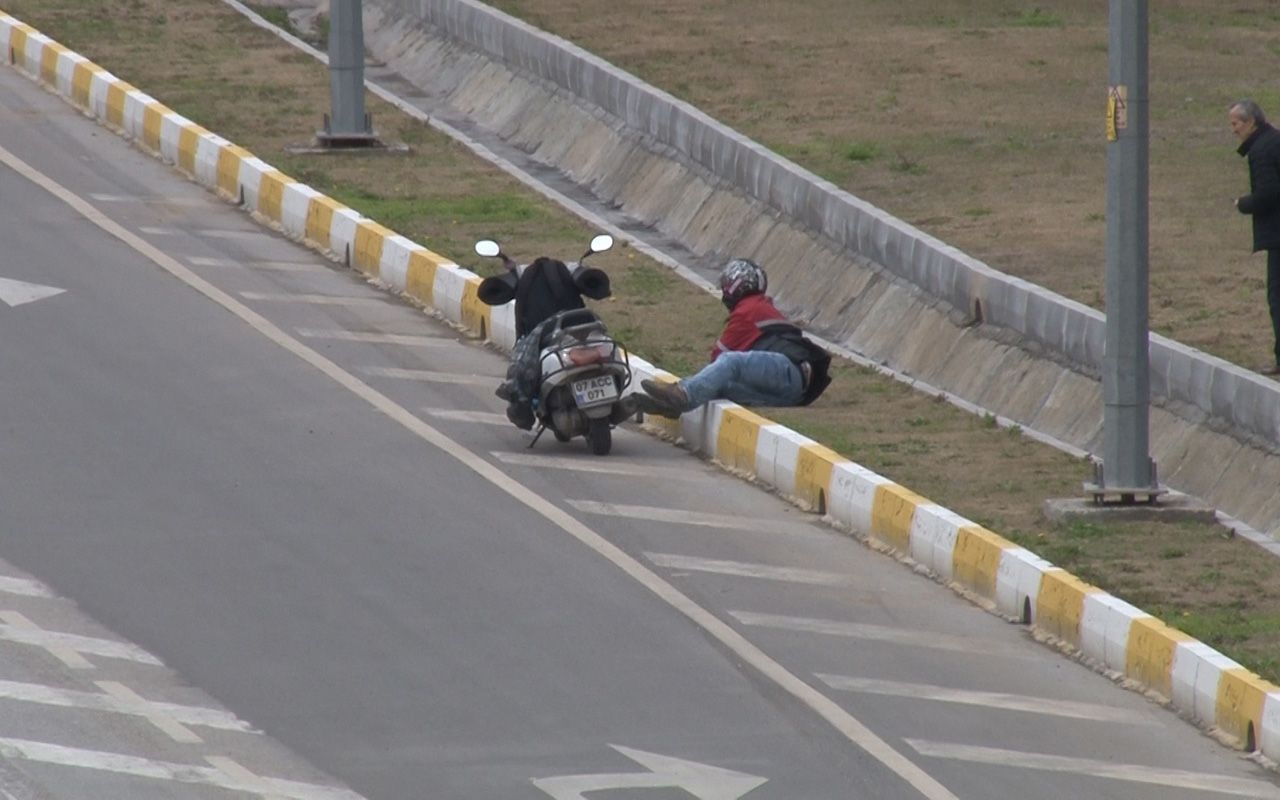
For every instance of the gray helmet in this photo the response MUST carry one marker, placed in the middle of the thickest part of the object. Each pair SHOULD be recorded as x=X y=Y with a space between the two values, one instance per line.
x=739 y=278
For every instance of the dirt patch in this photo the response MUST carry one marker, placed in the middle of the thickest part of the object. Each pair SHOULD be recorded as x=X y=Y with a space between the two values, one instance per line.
x=904 y=104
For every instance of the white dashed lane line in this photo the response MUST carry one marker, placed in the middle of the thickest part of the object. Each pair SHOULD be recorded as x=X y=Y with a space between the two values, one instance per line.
x=682 y=517
x=1001 y=700
x=281 y=266
x=208 y=233
x=477 y=417
x=597 y=465
x=315 y=299
x=403 y=339
x=430 y=376
x=741 y=569
x=880 y=633
x=1136 y=773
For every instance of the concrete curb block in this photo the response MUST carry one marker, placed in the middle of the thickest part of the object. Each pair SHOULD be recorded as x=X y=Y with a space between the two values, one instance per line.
x=1199 y=682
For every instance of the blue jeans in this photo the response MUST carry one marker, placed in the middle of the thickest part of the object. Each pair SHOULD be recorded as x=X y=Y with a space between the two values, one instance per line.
x=751 y=378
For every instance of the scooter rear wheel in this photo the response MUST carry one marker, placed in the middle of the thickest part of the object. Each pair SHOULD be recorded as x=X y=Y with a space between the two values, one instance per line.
x=600 y=436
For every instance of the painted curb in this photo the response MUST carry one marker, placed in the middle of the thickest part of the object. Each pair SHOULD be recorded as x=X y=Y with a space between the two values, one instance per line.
x=1196 y=680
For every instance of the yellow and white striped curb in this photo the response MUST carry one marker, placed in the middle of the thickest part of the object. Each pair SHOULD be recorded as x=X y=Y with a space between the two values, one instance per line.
x=1197 y=680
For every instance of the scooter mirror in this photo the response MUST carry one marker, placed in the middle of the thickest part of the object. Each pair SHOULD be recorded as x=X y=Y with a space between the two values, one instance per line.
x=601 y=243
x=488 y=248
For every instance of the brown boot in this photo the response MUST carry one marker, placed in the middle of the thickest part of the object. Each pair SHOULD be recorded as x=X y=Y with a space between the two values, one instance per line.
x=668 y=398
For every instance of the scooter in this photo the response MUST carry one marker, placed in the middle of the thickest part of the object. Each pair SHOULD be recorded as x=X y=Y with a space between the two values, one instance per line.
x=583 y=370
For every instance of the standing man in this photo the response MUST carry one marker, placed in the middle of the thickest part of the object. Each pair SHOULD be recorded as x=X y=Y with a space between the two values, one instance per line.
x=1260 y=143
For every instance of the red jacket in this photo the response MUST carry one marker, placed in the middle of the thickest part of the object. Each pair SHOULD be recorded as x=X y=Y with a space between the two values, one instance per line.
x=743 y=327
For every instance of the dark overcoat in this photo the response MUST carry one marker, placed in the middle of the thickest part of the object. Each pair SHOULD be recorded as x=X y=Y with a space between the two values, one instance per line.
x=1262 y=148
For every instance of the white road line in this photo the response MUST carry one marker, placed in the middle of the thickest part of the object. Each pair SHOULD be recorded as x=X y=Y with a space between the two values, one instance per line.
x=240 y=773
x=478 y=417
x=134 y=766
x=788 y=574
x=682 y=517
x=281 y=266
x=216 y=233
x=20 y=629
x=1136 y=773
x=597 y=465
x=313 y=299
x=847 y=725
x=430 y=376
x=120 y=704
x=170 y=726
x=375 y=338
x=149 y=200
x=1008 y=702
x=879 y=633
x=208 y=233
x=24 y=587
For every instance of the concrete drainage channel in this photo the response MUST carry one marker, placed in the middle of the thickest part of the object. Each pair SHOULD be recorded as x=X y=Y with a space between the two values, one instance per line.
x=1113 y=635
x=448 y=61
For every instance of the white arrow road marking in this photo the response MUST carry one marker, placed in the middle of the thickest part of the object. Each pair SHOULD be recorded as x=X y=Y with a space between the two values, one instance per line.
x=46 y=753
x=856 y=732
x=1136 y=773
x=15 y=293
x=675 y=515
x=881 y=633
x=744 y=570
x=703 y=781
x=1008 y=702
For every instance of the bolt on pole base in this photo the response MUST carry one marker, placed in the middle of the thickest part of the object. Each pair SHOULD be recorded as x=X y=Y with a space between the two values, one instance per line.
x=1103 y=494
x=331 y=141
x=1124 y=496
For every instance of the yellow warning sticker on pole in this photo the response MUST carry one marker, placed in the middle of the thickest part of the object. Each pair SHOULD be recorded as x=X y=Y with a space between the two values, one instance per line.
x=1117 y=111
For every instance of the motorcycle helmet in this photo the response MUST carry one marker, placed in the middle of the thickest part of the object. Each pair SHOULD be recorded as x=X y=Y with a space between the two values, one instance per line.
x=739 y=278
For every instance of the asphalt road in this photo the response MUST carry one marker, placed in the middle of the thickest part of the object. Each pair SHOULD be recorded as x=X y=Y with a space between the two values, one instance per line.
x=224 y=453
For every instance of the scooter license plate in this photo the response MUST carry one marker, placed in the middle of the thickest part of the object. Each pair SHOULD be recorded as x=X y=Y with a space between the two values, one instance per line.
x=594 y=391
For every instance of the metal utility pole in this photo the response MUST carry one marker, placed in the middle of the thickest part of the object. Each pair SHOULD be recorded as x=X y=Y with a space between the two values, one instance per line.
x=349 y=125
x=1127 y=470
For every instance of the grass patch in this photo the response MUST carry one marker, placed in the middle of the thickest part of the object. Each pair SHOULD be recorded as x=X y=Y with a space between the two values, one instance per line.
x=1036 y=18
x=859 y=151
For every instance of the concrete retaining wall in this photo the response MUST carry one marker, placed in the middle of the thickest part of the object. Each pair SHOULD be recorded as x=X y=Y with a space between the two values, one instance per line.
x=855 y=274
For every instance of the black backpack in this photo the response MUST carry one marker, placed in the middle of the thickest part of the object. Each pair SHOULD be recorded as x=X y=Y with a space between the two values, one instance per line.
x=543 y=288
x=784 y=337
